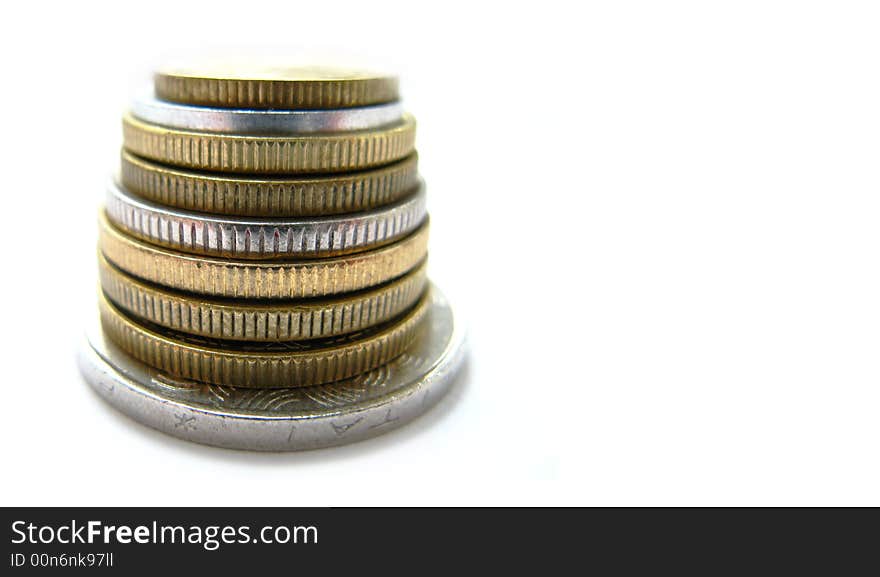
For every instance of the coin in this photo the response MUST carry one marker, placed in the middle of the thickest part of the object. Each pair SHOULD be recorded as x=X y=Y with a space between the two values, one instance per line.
x=260 y=321
x=324 y=152
x=285 y=279
x=251 y=121
x=284 y=419
x=205 y=234
x=249 y=196
x=261 y=365
x=244 y=85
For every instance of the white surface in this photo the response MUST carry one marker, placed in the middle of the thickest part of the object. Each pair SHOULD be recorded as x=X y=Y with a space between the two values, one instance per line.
x=660 y=218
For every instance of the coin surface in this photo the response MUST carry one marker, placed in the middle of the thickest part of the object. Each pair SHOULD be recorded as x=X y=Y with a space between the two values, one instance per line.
x=321 y=152
x=261 y=321
x=212 y=235
x=287 y=279
x=283 y=419
x=250 y=85
x=250 y=196
x=261 y=365
x=251 y=121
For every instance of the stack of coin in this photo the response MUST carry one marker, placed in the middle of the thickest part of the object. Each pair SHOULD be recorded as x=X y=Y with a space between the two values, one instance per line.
x=262 y=262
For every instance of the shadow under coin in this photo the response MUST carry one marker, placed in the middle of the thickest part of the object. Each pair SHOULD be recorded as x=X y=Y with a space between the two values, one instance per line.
x=422 y=423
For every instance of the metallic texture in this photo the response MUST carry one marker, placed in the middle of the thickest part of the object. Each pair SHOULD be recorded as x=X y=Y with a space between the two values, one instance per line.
x=290 y=88
x=261 y=321
x=262 y=279
x=250 y=196
x=250 y=121
x=283 y=419
x=200 y=233
x=332 y=152
x=288 y=364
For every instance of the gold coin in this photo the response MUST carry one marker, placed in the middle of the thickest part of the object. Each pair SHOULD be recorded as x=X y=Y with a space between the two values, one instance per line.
x=262 y=365
x=242 y=196
x=283 y=279
x=321 y=152
x=260 y=321
x=246 y=85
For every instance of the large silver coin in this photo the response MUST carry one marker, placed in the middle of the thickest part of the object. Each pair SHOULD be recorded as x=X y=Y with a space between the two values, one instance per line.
x=252 y=121
x=233 y=237
x=283 y=419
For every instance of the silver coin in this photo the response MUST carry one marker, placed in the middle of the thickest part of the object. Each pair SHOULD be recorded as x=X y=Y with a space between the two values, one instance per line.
x=263 y=238
x=283 y=419
x=250 y=121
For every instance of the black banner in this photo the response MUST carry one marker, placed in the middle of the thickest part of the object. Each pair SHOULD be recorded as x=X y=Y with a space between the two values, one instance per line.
x=180 y=541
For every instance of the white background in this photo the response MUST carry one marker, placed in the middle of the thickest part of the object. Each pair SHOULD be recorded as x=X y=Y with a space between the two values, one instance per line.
x=659 y=218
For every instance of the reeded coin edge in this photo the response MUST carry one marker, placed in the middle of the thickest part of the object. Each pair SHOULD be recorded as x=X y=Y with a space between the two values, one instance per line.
x=231 y=237
x=261 y=279
x=334 y=152
x=265 y=93
x=132 y=388
x=256 y=321
x=261 y=369
x=250 y=197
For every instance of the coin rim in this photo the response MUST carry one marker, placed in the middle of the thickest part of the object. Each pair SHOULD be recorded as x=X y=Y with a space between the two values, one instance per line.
x=260 y=278
x=127 y=385
x=152 y=110
x=256 y=154
x=199 y=191
x=191 y=87
x=121 y=289
x=249 y=238
x=263 y=369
